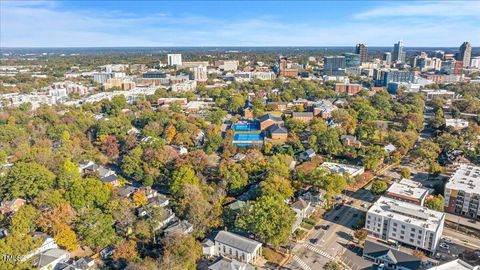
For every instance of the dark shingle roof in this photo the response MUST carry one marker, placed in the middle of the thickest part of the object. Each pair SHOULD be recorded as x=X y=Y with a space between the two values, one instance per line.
x=276 y=129
x=269 y=116
x=110 y=178
x=376 y=250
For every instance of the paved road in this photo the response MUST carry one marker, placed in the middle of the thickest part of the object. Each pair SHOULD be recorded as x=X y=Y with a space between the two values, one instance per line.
x=322 y=245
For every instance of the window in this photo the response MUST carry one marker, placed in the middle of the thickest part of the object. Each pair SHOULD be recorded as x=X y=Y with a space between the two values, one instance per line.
x=394 y=224
x=403 y=226
x=401 y=237
x=394 y=234
x=412 y=235
x=413 y=229
x=394 y=229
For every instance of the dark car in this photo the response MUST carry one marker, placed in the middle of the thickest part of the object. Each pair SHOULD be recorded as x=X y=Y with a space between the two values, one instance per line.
x=314 y=240
x=355 y=215
x=326 y=227
x=336 y=218
x=338 y=206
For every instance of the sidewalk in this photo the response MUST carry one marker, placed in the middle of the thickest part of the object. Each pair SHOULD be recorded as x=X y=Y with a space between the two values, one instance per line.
x=463 y=221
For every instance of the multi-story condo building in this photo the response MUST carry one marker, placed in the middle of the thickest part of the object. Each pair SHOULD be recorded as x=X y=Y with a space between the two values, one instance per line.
x=387 y=58
x=200 y=73
x=102 y=77
x=352 y=60
x=362 y=50
x=465 y=53
x=174 y=59
x=227 y=65
x=408 y=191
x=333 y=65
x=414 y=225
x=399 y=52
x=393 y=75
x=462 y=191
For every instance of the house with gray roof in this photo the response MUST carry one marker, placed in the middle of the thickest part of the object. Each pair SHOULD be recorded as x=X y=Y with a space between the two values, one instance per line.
x=49 y=259
x=230 y=264
x=391 y=258
x=234 y=246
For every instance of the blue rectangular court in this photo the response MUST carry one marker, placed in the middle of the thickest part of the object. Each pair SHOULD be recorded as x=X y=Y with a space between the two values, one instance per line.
x=246 y=127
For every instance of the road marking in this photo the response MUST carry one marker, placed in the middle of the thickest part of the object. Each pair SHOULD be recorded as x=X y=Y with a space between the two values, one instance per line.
x=319 y=251
x=301 y=263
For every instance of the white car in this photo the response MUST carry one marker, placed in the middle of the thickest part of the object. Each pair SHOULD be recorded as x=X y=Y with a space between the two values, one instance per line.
x=444 y=245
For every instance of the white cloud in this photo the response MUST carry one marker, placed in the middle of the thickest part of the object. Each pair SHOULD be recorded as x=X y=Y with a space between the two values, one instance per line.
x=47 y=25
x=436 y=9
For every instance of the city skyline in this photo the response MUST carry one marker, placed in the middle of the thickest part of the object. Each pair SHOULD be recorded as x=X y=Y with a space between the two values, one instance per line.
x=165 y=24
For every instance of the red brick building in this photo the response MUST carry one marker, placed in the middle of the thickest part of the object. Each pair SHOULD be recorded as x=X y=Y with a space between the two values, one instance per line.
x=349 y=88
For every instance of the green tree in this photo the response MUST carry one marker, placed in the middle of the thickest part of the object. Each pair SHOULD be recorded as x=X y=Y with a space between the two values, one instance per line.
x=436 y=203
x=87 y=193
x=67 y=173
x=132 y=163
x=23 y=221
x=405 y=172
x=26 y=179
x=95 y=228
x=181 y=252
x=234 y=175
x=181 y=177
x=276 y=186
x=269 y=218
x=374 y=157
x=427 y=151
x=378 y=186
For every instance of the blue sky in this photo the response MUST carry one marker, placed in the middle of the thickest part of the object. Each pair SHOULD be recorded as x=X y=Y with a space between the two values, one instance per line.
x=237 y=23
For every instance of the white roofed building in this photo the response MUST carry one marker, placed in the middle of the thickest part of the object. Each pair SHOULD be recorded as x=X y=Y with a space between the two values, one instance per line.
x=414 y=225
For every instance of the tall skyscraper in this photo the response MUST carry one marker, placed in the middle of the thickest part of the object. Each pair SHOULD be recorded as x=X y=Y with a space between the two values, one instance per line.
x=362 y=50
x=399 y=52
x=387 y=58
x=352 y=59
x=174 y=59
x=465 y=53
x=333 y=65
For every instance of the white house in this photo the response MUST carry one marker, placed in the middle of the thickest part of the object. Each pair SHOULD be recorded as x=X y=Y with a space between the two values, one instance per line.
x=234 y=246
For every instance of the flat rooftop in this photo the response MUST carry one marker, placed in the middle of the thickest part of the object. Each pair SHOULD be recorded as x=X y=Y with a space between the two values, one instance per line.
x=408 y=188
x=407 y=212
x=343 y=168
x=466 y=178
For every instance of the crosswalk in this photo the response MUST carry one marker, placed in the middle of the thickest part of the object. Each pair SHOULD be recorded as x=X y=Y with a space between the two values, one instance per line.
x=319 y=251
x=301 y=263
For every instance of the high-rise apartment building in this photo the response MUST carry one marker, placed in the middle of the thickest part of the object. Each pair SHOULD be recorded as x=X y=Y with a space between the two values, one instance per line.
x=352 y=59
x=399 y=52
x=333 y=65
x=465 y=53
x=200 y=73
x=387 y=58
x=174 y=59
x=362 y=50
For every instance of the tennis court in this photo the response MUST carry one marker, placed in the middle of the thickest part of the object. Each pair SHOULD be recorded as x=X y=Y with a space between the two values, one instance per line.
x=246 y=127
x=247 y=137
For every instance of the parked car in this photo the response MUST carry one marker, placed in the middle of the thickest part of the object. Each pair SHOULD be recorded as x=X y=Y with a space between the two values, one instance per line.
x=447 y=240
x=336 y=218
x=444 y=245
x=326 y=227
